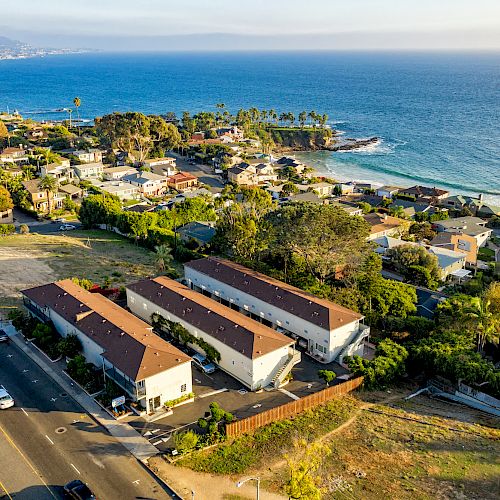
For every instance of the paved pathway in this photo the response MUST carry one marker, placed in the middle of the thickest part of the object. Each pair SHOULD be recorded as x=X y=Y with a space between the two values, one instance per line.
x=138 y=446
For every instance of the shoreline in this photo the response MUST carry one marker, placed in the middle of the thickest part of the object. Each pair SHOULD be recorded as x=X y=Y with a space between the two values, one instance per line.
x=355 y=172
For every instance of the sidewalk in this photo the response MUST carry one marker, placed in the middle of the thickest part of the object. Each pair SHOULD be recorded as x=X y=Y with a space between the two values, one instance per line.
x=138 y=446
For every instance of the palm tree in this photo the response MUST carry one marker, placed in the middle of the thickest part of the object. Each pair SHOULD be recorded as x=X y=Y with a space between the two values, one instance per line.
x=163 y=257
x=302 y=118
x=77 y=102
x=485 y=321
x=49 y=185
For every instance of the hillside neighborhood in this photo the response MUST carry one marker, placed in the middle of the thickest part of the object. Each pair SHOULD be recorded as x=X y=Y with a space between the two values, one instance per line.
x=274 y=290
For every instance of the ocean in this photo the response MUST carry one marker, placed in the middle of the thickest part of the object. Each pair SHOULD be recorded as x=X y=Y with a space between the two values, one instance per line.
x=437 y=114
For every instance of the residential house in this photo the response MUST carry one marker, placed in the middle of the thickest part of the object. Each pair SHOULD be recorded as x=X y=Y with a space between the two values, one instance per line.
x=200 y=232
x=449 y=261
x=150 y=185
x=326 y=330
x=162 y=166
x=40 y=198
x=458 y=242
x=384 y=225
x=118 y=173
x=6 y=216
x=477 y=206
x=388 y=191
x=306 y=197
x=223 y=160
x=91 y=156
x=148 y=369
x=36 y=134
x=350 y=208
x=471 y=226
x=323 y=189
x=252 y=353
x=242 y=175
x=265 y=173
x=71 y=191
x=411 y=208
x=425 y=194
x=344 y=187
x=89 y=170
x=234 y=133
x=290 y=163
x=123 y=190
x=182 y=181
x=14 y=155
x=62 y=171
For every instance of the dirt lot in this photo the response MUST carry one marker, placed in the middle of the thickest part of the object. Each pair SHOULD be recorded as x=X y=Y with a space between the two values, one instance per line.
x=29 y=260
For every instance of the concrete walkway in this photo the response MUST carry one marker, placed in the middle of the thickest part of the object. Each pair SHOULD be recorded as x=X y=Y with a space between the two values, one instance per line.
x=138 y=446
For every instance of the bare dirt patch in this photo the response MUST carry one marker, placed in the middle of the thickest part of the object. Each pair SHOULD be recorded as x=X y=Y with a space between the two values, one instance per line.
x=30 y=260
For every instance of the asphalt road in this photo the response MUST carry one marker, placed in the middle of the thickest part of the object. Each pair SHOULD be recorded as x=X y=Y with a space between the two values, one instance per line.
x=47 y=440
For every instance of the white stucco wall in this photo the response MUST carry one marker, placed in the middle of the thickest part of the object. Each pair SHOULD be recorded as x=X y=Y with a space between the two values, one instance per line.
x=168 y=384
x=333 y=340
x=252 y=373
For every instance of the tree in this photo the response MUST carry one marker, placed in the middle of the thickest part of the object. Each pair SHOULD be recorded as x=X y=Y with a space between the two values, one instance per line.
x=77 y=102
x=422 y=231
x=69 y=346
x=185 y=441
x=6 y=202
x=303 y=466
x=24 y=229
x=412 y=260
x=329 y=240
x=302 y=118
x=49 y=185
x=163 y=257
x=327 y=376
x=3 y=130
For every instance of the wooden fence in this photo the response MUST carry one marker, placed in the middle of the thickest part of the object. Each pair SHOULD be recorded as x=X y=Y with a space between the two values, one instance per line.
x=249 y=424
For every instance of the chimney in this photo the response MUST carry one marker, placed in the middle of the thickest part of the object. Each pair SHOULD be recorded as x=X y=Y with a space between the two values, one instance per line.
x=480 y=197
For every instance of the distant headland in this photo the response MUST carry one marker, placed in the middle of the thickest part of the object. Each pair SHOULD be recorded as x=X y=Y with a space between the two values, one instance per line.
x=14 y=49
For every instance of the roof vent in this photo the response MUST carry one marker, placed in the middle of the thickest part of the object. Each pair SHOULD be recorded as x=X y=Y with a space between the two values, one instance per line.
x=65 y=293
x=246 y=282
x=121 y=335
x=208 y=311
x=236 y=326
x=259 y=336
x=183 y=298
x=221 y=328
x=103 y=320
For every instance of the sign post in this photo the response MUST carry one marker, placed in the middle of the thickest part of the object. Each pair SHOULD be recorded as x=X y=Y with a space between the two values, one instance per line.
x=118 y=401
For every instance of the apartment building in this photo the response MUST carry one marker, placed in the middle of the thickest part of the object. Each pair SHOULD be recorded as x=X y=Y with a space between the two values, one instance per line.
x=254 y=354
x=326 y=330
x=150 y=370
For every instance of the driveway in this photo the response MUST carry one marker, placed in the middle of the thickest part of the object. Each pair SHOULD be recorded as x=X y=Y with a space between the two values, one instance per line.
x=203 y=172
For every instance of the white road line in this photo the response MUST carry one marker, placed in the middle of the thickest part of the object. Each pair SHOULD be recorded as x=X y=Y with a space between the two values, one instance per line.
x=50 y=440
x=157 y=442
x=75 y=468
x=24 y=411
x=289 y=394
x=212 y=393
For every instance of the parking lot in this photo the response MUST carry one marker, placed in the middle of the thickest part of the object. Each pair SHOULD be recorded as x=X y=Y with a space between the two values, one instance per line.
x=233 y=397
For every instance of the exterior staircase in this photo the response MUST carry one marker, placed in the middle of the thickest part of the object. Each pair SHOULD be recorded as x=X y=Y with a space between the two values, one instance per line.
x=284 y=370
x=350 y=349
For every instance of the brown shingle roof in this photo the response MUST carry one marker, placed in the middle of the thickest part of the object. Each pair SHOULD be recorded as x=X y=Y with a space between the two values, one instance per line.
x=128 y=342
x=379 y=222
x=237 y=331
x=320 y=312
x=32 y=186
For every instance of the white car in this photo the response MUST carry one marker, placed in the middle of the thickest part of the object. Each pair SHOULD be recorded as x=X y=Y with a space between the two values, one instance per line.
x=6 y=400
x=67 y=227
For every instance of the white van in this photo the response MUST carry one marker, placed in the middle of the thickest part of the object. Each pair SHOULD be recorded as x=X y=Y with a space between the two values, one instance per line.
x=6 y=400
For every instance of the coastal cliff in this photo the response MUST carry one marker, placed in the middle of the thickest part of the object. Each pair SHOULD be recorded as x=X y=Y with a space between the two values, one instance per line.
x=295 y=139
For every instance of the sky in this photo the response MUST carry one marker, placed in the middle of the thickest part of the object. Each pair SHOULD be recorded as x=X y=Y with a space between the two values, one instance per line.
x=254 y=24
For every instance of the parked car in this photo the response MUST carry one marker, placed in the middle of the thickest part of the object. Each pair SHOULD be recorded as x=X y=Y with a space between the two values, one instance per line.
x=60 y=219
x=203 y=363
x=79 y=490
x=67 y=227
x=3 y=336
x=6 y=400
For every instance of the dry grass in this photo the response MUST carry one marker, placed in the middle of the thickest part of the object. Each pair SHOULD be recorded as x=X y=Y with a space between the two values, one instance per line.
x=388 y=452
x=36 y=259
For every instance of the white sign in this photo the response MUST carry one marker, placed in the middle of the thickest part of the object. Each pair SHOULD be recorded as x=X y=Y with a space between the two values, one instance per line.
x=118 y=401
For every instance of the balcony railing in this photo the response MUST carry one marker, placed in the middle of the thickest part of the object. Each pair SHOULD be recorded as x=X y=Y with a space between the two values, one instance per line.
x=35 y=310
x=128 y=386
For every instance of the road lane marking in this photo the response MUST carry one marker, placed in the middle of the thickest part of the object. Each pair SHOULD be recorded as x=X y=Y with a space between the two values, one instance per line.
x=157 y=442
x=25 y=371
x=10 y=355
x=35 y=381
x=5 y=489
x=14 y=445
x=50 y=440
x=137 y=481
x=75 y=469
x=53 y=399
x=24 y=411
x=213 y=393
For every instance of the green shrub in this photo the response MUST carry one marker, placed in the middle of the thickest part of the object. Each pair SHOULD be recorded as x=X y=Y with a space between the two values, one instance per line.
x=185 y=441
x=174 y=402
x=69 y=346
x=6 y=229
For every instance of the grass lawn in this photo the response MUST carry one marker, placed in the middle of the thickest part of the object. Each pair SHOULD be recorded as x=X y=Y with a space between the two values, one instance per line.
x=486 y=254
x=29 y=260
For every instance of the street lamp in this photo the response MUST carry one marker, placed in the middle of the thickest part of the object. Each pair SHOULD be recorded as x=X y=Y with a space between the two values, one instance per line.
x=239 y=484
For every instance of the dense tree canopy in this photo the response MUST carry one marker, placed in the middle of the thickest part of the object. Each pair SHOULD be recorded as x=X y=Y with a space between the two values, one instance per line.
x=5 y=200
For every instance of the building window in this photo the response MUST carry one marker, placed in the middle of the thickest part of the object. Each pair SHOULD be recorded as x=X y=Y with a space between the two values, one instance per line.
x=183 y=388
x=321 y=348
